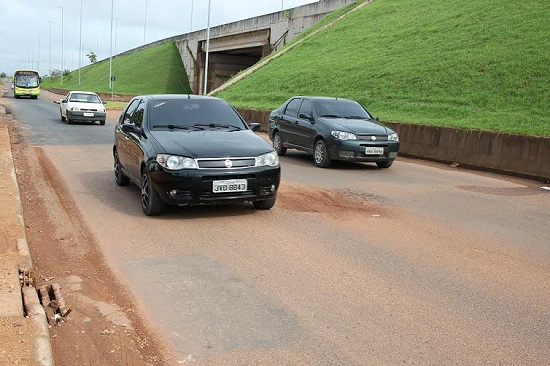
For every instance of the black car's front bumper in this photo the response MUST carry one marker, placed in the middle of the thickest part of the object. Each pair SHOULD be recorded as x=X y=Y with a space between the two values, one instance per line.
x=355 y=150
x=188 y=187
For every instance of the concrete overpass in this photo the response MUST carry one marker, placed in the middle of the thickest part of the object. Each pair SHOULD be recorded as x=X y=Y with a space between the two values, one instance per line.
x=237 y=46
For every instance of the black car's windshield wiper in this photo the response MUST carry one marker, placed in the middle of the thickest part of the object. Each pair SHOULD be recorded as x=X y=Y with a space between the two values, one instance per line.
x=177 y=127
x=217 y=125
x=330 y=116
x=357 y=117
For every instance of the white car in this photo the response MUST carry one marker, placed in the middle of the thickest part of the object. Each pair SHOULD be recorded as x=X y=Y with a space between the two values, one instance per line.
x=82 y=106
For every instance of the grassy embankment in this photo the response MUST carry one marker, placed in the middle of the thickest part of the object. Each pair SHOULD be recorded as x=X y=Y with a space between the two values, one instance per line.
x=482 y=64
x=153 y=70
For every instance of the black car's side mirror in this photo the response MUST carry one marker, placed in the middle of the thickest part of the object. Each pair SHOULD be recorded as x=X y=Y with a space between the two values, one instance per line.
x=131 y=128
x=306 y=116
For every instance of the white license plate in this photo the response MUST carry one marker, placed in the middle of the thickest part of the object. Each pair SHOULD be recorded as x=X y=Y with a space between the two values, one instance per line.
x=88 y=114
x=374 y=151
x=230 y=185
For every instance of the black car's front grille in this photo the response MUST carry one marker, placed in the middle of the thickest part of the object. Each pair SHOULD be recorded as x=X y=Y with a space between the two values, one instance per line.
x=372 y=137
x=227 y=163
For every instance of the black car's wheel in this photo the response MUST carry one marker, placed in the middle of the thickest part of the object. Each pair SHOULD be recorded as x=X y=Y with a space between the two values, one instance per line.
x=321 y=156
x=384 y=164
x=150 y=200
x=120 y=178
x=265 y=204
x=278 y=144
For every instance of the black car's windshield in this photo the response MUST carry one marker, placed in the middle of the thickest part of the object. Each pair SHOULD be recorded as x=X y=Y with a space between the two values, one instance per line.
x=336 y=108
x=193 y=114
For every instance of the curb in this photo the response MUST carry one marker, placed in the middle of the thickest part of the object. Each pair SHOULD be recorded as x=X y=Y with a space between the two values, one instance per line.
x=29 y=295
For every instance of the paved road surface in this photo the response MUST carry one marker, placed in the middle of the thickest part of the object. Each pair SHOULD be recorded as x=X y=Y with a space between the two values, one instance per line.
x=420 y=263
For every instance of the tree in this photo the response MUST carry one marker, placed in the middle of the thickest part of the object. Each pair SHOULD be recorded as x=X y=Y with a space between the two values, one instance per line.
x=3 y=75
x=92 y=56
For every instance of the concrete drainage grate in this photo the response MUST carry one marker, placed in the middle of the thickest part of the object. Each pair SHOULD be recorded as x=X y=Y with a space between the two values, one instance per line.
x=54 y=305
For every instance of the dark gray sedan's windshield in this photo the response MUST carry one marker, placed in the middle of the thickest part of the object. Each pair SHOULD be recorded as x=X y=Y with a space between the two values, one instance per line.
x=337 y=108
x=193 y=113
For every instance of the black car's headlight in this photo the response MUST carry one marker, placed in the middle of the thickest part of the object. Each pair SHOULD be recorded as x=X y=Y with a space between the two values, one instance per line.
x=341 y=135
x=269 y=159
x=174 y=162
x=393 y=137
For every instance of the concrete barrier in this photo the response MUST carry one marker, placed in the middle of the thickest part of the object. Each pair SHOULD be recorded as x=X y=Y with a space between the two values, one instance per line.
x=520 y=155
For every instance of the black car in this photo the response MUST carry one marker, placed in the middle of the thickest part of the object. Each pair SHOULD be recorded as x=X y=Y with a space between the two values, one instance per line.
x=332 y=129
x=190 y=149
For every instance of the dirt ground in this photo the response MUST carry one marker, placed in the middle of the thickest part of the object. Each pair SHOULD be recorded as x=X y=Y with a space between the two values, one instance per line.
x=104 y=326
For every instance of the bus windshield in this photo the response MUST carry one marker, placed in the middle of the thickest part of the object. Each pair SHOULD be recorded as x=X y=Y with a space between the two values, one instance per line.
x=26 y=79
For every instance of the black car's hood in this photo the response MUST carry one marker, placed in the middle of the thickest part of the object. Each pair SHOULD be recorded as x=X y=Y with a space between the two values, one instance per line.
x=208 y=143
x=358 y=126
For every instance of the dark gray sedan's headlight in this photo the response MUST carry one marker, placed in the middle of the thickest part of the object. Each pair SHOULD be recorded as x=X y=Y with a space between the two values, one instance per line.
x=174 y=162
x=269 y=159
x=341 y=135
x=393 y=137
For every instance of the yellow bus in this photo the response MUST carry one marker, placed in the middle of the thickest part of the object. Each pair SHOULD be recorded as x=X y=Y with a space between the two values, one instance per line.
x=26 y=83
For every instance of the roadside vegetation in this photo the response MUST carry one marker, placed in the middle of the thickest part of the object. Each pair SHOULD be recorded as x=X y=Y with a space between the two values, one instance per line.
x=481 y=64
x=150 y=71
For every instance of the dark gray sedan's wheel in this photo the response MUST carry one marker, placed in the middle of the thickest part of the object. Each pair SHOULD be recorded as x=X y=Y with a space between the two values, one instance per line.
x=265 y=204
x=278 y=144
x=321 y=156
x=120 y=178
x=384 y=164
x=150 y=200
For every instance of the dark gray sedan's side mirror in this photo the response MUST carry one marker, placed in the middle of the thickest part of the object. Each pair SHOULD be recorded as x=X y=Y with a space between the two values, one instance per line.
x=306 y=116
x=131 y=128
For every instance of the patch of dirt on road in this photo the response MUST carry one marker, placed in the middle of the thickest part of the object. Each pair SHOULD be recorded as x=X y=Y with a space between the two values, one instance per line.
x=104 y=327
x=338 y=203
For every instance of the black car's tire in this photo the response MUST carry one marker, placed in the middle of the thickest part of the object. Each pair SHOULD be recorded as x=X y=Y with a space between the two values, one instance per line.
x=150 y=200
x=264 y=204
x=120 y=178
x=321 y=156
x=384 y=164
x=278 y=144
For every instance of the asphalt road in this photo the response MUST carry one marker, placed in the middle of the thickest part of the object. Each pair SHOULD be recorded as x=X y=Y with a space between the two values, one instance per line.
x=418 y=264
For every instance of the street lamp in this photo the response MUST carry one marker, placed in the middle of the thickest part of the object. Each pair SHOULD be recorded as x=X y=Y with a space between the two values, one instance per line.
x=80 y=45
x=191 y=22
x=49 y=21
x=62 y=60
x=145 y=22
x=207 y=50
x=116 y=32
x=111 y=51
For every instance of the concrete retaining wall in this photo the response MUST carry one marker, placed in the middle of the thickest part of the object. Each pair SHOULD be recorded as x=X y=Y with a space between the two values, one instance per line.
x=521 y=155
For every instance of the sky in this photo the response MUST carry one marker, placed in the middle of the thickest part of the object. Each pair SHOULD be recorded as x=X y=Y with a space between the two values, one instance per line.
x=36 y=33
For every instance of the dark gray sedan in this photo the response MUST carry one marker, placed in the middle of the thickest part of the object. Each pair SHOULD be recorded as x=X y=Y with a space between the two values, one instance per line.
x=332 y=129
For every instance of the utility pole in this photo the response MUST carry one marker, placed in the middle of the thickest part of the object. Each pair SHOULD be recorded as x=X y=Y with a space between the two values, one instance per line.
x=49 y=21
x=207 y=51
x=191 y=22
x=145 y=22
x=111 y=51
x=62 y=59
x=80 y=45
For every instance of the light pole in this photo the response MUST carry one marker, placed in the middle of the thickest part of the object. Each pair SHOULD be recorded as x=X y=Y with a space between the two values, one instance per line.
x=191 y=22
x=207 y=51
x=282 y=5
x=145 y=22
x=111 y=52
x=38 y=56
x=116 y=32
x=49 y=21
x=62 y=60
x=80 y=45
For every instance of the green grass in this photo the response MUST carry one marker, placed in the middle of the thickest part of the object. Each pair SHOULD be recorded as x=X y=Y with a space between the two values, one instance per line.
x=154 y=70
x=481 y=64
